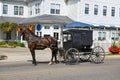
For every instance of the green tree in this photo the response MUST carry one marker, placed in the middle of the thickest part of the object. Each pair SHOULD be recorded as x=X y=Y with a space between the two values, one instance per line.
x=7 y=28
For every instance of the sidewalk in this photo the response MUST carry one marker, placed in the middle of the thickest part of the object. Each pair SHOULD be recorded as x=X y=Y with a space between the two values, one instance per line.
x=23 y=54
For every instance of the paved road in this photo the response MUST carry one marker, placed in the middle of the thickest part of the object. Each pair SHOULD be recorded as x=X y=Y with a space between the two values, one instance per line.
x=24 y=70
x=109 y=70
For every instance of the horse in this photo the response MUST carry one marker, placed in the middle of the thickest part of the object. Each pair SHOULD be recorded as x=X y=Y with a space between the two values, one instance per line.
x=38 y=43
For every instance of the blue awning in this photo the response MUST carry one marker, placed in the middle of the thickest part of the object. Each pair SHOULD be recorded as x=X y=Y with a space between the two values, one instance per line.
x=77 y=24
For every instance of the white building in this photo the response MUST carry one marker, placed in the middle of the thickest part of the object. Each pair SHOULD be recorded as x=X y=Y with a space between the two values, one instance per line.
x=104 y=14
x=52 y=15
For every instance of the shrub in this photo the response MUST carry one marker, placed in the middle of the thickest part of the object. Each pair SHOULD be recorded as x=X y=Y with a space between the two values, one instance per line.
x=20 y=44
x=3 y=43
x=12 y=44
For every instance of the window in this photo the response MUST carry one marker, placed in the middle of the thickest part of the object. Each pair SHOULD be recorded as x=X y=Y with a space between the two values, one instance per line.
x=30 y=10
x=52 y=8
x=115 y=35
x=37 y=8
x=67 y=37
x=5 y=9
x=18 y=10
x=47 y=27
x=39 y=34
x=46 y=35
x=104 y=35
x=95 y=9
x=56 y=35
x=86 y=8
x=104 y=10
x=101 y=35
x=15 y=10
x=55 y=8
x=113 y=11
x=8 y=36
x=56 y=26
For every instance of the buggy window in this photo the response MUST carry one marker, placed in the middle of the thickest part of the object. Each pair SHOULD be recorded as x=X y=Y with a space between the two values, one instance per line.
x=67 y=37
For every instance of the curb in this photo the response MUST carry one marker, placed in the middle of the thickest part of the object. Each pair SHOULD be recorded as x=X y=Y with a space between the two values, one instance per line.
x=112 y=56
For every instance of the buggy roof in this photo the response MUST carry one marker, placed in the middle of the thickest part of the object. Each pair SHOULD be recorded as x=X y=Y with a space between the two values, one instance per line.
x=78 y=24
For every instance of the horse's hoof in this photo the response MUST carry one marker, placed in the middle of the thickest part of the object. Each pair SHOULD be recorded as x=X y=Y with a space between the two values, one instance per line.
x=50 y=63
x=56 y=61
x=35 y=64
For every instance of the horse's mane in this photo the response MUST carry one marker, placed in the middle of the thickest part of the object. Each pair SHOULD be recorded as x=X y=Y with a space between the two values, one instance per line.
x=33 y=33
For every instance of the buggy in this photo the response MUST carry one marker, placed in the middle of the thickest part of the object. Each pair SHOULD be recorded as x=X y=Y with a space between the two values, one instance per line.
x=77 y=45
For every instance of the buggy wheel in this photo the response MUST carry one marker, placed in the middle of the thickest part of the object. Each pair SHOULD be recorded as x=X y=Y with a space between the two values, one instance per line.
x=72 y=56
x=97 y=54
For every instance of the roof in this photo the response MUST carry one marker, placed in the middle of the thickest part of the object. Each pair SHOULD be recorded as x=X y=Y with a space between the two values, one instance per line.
x=77 y=24
x=38 y=19
x=47 y=19
x=11 y=19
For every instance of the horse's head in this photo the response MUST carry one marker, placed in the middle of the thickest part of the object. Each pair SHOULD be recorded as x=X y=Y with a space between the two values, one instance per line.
x=22 y=30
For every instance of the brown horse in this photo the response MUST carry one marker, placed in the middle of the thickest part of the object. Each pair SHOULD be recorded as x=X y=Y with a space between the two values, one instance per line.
x=35 y=42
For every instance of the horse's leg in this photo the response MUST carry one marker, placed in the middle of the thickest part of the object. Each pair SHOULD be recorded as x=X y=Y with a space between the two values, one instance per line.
x=33 y=56
x=55 y=55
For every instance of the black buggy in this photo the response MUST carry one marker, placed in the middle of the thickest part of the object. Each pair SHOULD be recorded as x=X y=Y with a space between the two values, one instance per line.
x=77 y=47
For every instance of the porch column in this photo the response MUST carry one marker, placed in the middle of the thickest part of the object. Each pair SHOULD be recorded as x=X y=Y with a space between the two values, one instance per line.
x=21 y=39
x=16 y=35
x=61 y=36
